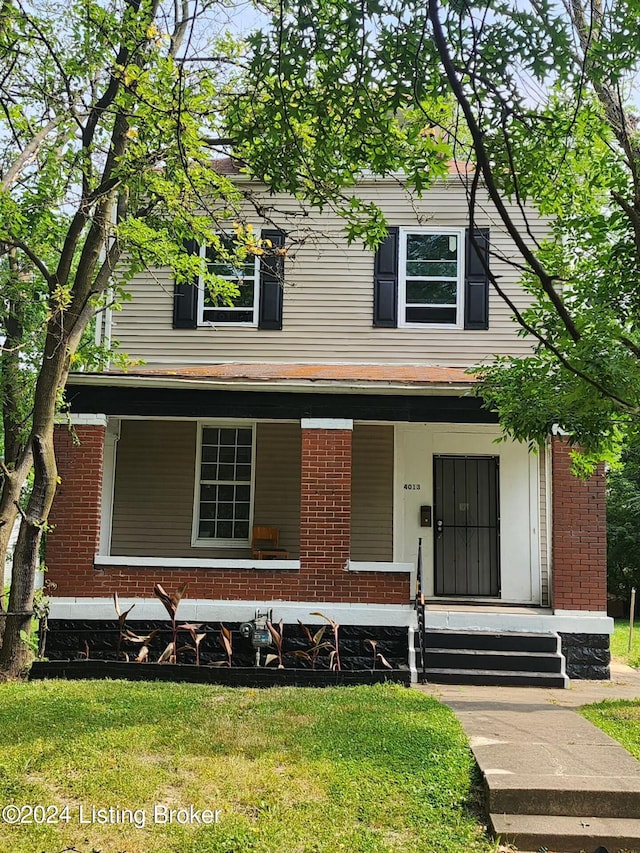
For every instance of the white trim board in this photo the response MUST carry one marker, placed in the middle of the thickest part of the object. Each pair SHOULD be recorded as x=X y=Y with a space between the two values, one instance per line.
x=379 y=567
x=345 y=613
x=81 y=419
x=195 y=563
x=326 y=423
x=205 y=610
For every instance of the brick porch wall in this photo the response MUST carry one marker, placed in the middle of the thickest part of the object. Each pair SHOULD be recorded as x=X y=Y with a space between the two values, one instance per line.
x=325 y=536
x=579 y=565
x=75 y=515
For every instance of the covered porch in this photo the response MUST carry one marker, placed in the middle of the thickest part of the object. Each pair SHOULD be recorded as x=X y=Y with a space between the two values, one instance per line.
x=164 y=478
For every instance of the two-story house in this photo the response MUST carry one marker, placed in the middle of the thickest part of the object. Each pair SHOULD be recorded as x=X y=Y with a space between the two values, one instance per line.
x=333 y=403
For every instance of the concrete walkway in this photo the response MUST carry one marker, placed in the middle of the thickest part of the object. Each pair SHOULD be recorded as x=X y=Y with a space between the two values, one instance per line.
x=552 y=779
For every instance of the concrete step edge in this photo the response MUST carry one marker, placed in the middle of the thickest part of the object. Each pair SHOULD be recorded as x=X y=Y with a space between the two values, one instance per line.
x=492 y=652
x=496 y=678
x=565 y=802
x=564 y=834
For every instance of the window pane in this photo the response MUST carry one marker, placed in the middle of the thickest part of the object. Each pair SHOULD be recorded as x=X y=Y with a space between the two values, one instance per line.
x=242 y=511
x=241 y=530
x=245 y=437
x=432 y=247
x=227 y=454
x=209 y=454
x=210 y=436
x=209 y=493
x=228 y=315
x=448 y=269
x=431 y=315
x=225 y=529
x=438 y=292
x=226 y=493
x=225 y=510
x=243 y=472
x=207 y=529
x=243 y=493
x=232 y=267
x=209 y=472
x=245 y=297
x=208 y=510
x=228 y=437
x=243 y=454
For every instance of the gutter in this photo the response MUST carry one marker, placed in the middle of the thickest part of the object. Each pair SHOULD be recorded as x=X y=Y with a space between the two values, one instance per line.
x=269 y=386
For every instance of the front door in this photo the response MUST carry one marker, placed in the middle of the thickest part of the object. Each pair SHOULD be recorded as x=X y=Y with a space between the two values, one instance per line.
x=467 y=530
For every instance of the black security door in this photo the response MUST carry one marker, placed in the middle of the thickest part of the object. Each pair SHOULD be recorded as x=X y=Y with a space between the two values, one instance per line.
x=467 y=552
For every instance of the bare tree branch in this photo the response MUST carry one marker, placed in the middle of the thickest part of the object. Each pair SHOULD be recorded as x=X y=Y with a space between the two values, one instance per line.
x=546 y=280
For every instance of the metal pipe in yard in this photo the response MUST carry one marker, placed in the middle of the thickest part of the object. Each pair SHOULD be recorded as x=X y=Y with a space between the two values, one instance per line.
x=632 y=610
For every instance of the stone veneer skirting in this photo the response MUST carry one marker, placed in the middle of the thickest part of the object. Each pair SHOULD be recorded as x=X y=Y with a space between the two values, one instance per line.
x=72 y=639
x=587 y=655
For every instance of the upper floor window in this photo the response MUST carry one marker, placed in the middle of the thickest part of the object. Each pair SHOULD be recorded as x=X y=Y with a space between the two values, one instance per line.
x=432 y=277
x=259 y=280
x=430 y=280
x=245 y=275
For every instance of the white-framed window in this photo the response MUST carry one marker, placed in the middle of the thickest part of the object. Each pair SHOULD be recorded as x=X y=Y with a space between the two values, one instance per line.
x=431 y=277
x=246 y=276
x=225 y=465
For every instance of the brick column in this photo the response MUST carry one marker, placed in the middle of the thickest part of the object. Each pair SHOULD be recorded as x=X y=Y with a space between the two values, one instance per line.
x=75 y=516
x=579 y=566
x=325 y=507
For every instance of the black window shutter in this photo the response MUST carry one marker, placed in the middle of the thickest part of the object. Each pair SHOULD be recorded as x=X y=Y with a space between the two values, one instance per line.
x=385 y=282
x=476 y=282
x=185 y=296
x=271 y=281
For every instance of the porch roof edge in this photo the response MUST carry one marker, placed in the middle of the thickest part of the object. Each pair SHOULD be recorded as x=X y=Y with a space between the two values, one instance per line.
x=336 y=379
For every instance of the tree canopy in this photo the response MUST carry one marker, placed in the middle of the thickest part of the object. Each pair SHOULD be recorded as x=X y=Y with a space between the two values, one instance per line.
x=109 y=121
x=623 y=523
x=538 y=99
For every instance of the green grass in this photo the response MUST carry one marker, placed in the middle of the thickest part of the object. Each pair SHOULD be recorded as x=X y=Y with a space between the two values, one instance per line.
x=620 y=719
x=364 y=770
x=620 y=643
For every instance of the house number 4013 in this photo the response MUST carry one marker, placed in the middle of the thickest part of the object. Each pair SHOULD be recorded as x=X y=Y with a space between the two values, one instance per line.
x=412 y=487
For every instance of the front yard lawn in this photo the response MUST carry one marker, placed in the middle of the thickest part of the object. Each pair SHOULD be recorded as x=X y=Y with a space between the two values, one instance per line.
x=620 y=719
x=620 y=643
x=289 y=770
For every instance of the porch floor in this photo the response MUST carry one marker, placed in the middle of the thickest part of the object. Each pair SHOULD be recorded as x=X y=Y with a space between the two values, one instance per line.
x=438 y=605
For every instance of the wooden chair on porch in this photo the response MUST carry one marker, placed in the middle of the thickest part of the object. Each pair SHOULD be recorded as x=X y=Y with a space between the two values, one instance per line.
x=265 y=544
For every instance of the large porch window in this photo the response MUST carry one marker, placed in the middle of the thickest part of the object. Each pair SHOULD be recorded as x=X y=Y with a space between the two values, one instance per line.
x=224 y=486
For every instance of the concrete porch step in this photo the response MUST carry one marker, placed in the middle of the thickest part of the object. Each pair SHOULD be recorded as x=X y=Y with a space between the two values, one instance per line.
x=494 y=659
x=608 y=796
x=496 y=677
x=515 y=641
x=562 y=834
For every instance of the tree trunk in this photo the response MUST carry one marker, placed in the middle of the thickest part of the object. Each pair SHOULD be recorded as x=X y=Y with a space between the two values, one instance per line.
x=15 y=655
x=9 y=502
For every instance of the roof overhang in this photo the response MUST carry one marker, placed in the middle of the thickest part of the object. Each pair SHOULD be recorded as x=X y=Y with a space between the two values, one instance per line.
x=324 y=379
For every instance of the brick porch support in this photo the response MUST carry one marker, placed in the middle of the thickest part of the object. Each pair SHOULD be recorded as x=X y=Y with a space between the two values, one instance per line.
x=325 y=508
x=76 y=512
x=579 y=567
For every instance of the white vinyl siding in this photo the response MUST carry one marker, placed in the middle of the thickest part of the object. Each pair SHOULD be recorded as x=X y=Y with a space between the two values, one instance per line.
x=372 y=493
x=328 y=298
x=155 y=482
